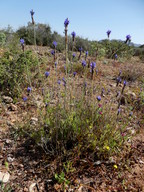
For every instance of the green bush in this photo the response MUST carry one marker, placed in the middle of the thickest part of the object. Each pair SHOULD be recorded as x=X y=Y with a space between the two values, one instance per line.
x=13 y=71
x=2 y=38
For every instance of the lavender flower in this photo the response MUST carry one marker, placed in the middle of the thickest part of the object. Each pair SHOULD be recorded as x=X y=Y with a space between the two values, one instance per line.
x=22 y=41
x=80 y=49
x=59 y=82
x=25 y=99
x=74 y=55
x=73 y=35
x=32 y=12
x=124 y=83
x=115 y=56
x=119 y=110
x=93 y=65
x=64 y=81
x=108 y=33
x=53 y=52
x=128 y=38
x=84 y=63
x=22 y=44
x=55 y=43
x=99 y=98
x=66 y=22
x=55 y=64
x=118 y=80
x=86 y=53
x=29 y=89
x=47 y=74
x=74 y=74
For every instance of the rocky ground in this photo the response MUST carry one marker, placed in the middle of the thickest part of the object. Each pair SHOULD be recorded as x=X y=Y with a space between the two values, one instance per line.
x=23 y=168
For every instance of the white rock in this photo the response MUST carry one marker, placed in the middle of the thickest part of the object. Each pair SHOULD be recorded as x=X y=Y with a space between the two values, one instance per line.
x=7 y=99
x=4 y=177
x=31 y=187
x=34 y=121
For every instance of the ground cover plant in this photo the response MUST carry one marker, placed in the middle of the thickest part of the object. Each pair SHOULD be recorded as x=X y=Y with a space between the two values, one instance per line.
x=78 y=107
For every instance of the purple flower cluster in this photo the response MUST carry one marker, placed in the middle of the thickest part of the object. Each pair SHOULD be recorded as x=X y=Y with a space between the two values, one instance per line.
x=74 y=55
x=73 y=35
x=99 y=98
x=47 y=74
x=66 y=22
x=22 y=41
x=55 y=43
x=128 y=38
x=84 y=63
x=93 y=65
x=29 y=89
x=53 y=52
x=108 y=33
x=32 y=12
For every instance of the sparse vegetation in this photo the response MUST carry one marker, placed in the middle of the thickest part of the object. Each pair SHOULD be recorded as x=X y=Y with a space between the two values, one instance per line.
x=71 y=115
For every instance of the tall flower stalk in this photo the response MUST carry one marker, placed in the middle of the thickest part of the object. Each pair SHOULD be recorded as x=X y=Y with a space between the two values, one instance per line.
x=66 y=23
x=27 y=68
x=73 y=42
x=33 y=22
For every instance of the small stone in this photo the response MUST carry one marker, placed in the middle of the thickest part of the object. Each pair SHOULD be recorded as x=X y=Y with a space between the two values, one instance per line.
x=12 y=107
x=8 y=141
x=97 y=163
x=25 y=189
x=10 y=159
x=31 y=187
x=7 y=99
x=4 y=177
x=34 y=121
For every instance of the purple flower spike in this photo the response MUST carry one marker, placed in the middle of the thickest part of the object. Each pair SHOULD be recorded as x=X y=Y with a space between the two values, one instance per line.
x=52 y=52
x=25 y=99
x=32 y=12
x=128 y=37
x=84 y=63
x=115 y=56
x=55 y=64
x=22 y=41
x=74 y=55
x=86 y=53
x=124 y=83
x=55 y=43
x=80 y=49
x=99 y=98
x=93 y=65
x=66 y=22
x=119 y=110
x=74 y=74
x=108 y=33
x=59 y=82
x=73 y=34
x=47 y=74
x=29 y=89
